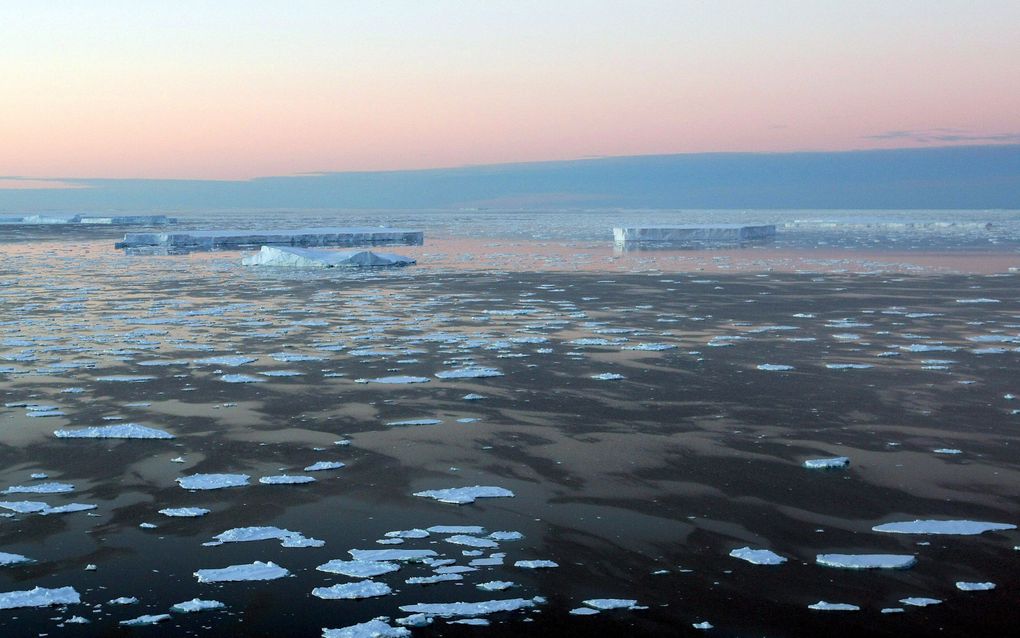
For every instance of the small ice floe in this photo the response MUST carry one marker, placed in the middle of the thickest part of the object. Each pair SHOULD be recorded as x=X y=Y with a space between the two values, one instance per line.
x=469 y=373
x=321 y=466
x=371 y=629
x=126 y=378
x=831 y=463
x=358 y=568
x=892 y=610
x=583 y=611
x=536 y=564
x=472 y=541
x=286 y=479
x=292 y=357
x=867 y=561
x=196 y=605
x=6 y=559
x=495 y=585
x=121 y=431
x=384 y=555
x=465 y=495
x=281 y=373
x=407 y=533
x=958 y=527
x=286 y=537
x=396 y=380
x=184 y=512
x=650 y=347
x=413 y=422
x=449 y=610
x=456 y=529
x=39 y=597
x=38 y=476
x=604 y=604
x=148 y=619
x=920 y=601
x=774 y=367
x=432 y=580
x=758 y=556
x=353 y=591
x=212 y=481
x=44 y=413
x=44 y=509
x=147 y=525
x=848 y=366
x=474 y=622
x=229 y=361
x=608 y=376
x=40 y=488
x=947 y=450
x=240 y=378
x=963 y=585
x=123 y=600
x=821 y=605
x=979 y=300
x=252 y=571
x=506 y=536
x=705 y=625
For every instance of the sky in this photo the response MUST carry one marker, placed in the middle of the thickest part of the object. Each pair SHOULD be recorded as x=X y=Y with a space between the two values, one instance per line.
x=233 y=90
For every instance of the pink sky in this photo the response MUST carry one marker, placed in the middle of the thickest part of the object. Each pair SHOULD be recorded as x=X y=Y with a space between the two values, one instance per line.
x=237 y=90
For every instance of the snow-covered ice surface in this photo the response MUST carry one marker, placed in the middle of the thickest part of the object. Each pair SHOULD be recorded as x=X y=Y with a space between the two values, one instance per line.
x=650 y=412
x=867 y=561
x=39 y=597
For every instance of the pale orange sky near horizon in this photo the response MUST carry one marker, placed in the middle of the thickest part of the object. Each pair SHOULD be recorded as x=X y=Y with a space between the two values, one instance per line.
x=232 y=90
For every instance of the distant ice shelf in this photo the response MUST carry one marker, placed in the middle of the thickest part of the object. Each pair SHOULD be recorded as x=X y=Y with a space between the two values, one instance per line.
x=225 y=239
x=695 y=233
x=89 y=220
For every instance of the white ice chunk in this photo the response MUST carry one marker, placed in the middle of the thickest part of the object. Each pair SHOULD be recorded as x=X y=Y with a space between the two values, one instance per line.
x=184 y=512
x=464 y=495
x=196 y=605
x=39 y=597
x=867 y=561
x=253 y=571
x=827 y=464
x=286 y=537
x=40 y=488
x=448 y=610
x=774 y=367
x=604 y=604
x=352 y=591
x=471 y=541
x=212 y=481
x=285 y=479
x=495 y=585
x=398 y=380
x=536 y=564
x=358 y=568
x=821 y=605
x=289 y=257
x=967 y=586
x=371 y=629
x=920 y=601
x=121 y=431
x=6 y=559
x=324 y=465
x=383 y=555
x=758 y=556
x=148 y=619
x=240 y=378
x=469 y=373
x=957 y=527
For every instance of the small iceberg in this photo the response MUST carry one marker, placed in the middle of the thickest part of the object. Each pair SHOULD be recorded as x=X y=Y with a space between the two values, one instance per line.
x=384 y=555
x=6 y=559
x=867 y=561
x=821 y=605
x=122 y=431
x=774 y=367
x=196 y=605
x=284 y=479
x=39 y=597
x=603 y=604
x=353 y=591
x=758 y=556
x=465 y=495
x=371 y=629
x=40 y=488
x=447 y=610
x=358 y=568
x=212 y=481
x=321 y=466
x=832 y=463
x=184 y=512
x=469 y=373
x=252 y=571
x=286 y=537
x=959 y=527
x=148 y=619
x=920 y=601
x=966 y=586
x=288 y=257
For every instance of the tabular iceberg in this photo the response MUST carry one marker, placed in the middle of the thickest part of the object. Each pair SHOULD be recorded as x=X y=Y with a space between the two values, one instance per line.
x=287 y=257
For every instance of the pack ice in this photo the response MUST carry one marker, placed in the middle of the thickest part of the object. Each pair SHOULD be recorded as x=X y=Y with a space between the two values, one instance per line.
x=121 y=431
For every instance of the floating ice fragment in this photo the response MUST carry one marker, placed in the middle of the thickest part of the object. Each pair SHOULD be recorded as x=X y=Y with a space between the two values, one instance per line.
x=371 y=629
x=229 y=361
x=123 y=378
x=324 y=465
x=774 y=367
x=448 y=610
x=471 y=541
x=431 y=580
x=40 y=488
x=353 y=591
x=284 y=479
x=240 y=378
x=703 y=625
x=148 y=619
x=6 y=559
x=412 y=422
x=978 y=300
x=651 y=347
x=36 y=507
x=472 y=397
x=967 y=586
x=397 y=380
x=469 y=373
x=584 y=611
x=121 y=431
x=758 y=556
x=212 y=481
x=506 y=536
x=407 y=533
x=536 y=564
x=957 y=527
x=604 y=604
x=286 y=537
x=867 y=561
x=826 y=464
x=412 y=555
x=495 y=585
x=607 y=376
x=123 y=600
x=464 y=495
x=920 y=601
x=39 y=597
x=196 y=605
x=456 y=529
x=252 y=571
x=947 y=450
x=821 y=605
x=358 y=568
x=184 y=512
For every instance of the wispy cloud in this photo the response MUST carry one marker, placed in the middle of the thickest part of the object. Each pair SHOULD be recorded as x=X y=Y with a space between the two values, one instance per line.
x=935 y=135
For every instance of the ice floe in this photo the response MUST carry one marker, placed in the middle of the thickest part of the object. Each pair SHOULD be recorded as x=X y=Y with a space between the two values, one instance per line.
x=184 y=512
x=774 y=367
x=450 y=610
x=758 y=556
x=384 y=555
x=469 y=373
x=920 y=601
x=39 y=488
x=196 y=605
x=358 y=568
x=120 y=431
x=867 y=561
x=969 y=586
x=956 y=527
x=286 y=537
x=353 y=591
x=147 y=619
x=465 y=495
x=212 y=481
x=834 y=462
x=7 y=559
x=285 y=479
x=321 y=466
x=371 y=629
x=252 y=571
x=39 y=597
x=821 y=605
x=604 y=604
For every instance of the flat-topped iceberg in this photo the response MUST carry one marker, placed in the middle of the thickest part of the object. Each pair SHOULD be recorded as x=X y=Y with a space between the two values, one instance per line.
x=286 y=537
x=867 y=561
x=465 y=495
x=758 y=556
x=371 y=629
x=821 y=605
x=832 y=463
x=121 y=431
x=288 y=257
x=353 y=591
x=212 y=481
x=252 y=571
x=39 y=597
x=448 y=610
x=358 y=568
x=383 y=555
x=197 y=604
x=694 y=233
x=959 y=527
x=330 y=236
x=7 y=559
